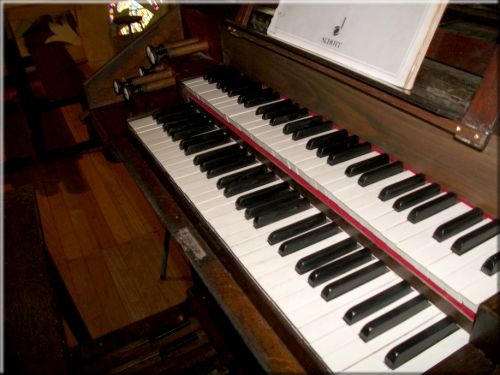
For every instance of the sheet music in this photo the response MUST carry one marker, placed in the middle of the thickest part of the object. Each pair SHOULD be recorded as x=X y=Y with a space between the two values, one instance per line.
x=386 y=42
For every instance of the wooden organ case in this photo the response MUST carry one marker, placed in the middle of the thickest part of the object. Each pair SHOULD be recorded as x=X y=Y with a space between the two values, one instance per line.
x=448 y=134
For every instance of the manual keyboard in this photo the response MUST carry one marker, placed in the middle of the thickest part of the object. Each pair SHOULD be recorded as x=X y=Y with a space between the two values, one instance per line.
x=431 y=207
x=247 y=233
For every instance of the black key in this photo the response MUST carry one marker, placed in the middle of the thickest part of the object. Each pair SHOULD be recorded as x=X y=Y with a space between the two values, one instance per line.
x=325 y=255
x=170 y=130
x=393 y=317
x=432 y=207
x=234 y=82
x=269 y=111
x=401 y=187
x=261 y=99
x=236 y=163
x=252 y=94
x=198 y=159
x=417 y=344
x=245 y=88
x=377 y=302
x=240 y=92
x=290 y=116
x=327 y=139
x=207 y=144
x=181 y=119
x=492 y=265
x=294 y=229
x=351 y=153
x=223 y=159
x=219 y=73
x=225 y=181
x=202 y=142
x=183 y=122
x=380 y=173
x=353 y=280
x=199 y=138
x=414 y=198
x=178 y=116
x=309 y=238
x=238 y=83
x=366 y=165
x=283 y=108
x=339 y=267
x=263 y=109
x=249 y=184
x=172 y=118
x=195 y=130
x=268 y=205
x=312 y=130
x=476 y=237
x=301 y=124
x=339 y=146
x=458 y=224
x=180 y=108
x=265 y=196
x=250 y=199
x=276 y=215
x=222 y=75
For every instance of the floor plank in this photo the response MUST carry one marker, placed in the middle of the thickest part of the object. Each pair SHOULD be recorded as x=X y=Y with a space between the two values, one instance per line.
x=78 y=129
x=108 y=256
x=102 y=233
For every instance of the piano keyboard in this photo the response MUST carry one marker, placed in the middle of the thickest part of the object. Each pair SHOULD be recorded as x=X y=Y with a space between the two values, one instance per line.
x=350 y=309
x=458 y=264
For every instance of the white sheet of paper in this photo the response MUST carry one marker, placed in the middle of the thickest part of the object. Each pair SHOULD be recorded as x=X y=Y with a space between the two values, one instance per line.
x=384 y=41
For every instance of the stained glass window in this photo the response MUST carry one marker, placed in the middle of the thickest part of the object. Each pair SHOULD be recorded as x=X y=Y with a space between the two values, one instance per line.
x=132 y=8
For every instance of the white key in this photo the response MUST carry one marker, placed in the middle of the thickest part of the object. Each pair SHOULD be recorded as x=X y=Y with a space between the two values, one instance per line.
x=422 y=249
x=212 y=95
x=275 y=277
x=319 y=307
x=139 y=123
x=421 y=363
x=407 y=229
x=224 y=101
x=193 y=82
x=354 y=349
x=392 y=218
x=295 y=301
x=240 y=239
x=268 y=267
x=334 y=320
x=372 y=191
x=203 y=88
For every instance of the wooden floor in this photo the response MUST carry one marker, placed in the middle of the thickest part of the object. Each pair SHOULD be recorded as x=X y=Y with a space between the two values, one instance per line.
x=103 y=236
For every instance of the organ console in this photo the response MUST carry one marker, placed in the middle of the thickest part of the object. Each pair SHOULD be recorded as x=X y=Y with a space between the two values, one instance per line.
x=355 y=221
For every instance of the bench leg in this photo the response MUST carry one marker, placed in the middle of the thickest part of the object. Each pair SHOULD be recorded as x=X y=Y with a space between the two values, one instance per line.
x=164 y=260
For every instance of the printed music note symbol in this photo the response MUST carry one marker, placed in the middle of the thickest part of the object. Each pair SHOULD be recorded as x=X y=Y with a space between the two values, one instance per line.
x=336 y=29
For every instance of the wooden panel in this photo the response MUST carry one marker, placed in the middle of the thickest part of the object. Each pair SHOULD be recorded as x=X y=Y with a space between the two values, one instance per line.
x=467 y=360
x=461 y=51
x=393 y=129
x=482 y=115
x=99 y=89
x=205 y=22
x=486 y=328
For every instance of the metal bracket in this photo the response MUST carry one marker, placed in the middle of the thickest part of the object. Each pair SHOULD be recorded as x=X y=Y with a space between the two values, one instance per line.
x=470 y=135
